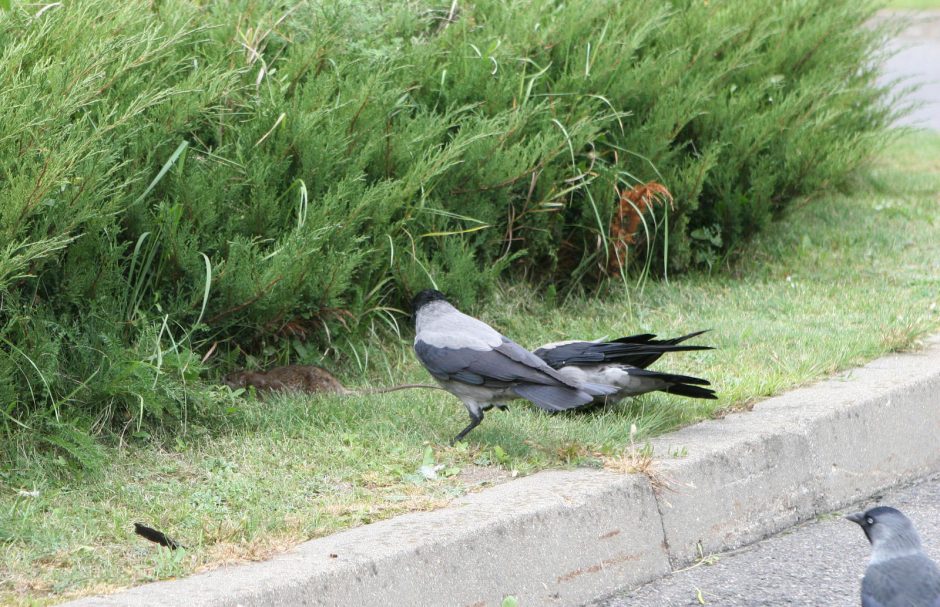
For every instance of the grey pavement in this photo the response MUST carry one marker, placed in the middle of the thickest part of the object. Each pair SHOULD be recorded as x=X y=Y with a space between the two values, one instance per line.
x=917 y=61
x=817 y=563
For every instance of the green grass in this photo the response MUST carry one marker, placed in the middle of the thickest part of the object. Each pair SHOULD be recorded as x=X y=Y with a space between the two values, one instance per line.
x=840 y=280
x=913 y=4
x=268 y=183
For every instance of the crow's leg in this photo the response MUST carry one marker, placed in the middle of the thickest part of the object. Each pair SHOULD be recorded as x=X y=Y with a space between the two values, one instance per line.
x=476 y=416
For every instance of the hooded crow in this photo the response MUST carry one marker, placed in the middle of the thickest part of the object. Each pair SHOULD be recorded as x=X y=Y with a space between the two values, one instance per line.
x=622 y=363
x=899 y=573
x=483 y=368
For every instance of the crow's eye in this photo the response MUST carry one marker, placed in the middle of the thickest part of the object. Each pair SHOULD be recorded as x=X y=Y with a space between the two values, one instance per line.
x=870 y=520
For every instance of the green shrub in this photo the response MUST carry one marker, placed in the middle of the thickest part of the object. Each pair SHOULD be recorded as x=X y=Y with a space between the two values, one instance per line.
x=181 y=176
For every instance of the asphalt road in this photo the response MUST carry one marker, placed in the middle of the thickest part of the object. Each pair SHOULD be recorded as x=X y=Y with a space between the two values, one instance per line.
x=818 y=563
x=917 y=61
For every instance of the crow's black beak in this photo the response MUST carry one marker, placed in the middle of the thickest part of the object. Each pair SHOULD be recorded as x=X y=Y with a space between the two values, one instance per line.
x=857 y=517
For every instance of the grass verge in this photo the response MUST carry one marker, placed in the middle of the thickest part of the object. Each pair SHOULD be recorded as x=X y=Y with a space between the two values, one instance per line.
x=842 y=279
x=913 y=4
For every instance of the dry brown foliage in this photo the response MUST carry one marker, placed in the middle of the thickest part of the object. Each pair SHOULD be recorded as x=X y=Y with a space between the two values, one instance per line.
x=628 y=218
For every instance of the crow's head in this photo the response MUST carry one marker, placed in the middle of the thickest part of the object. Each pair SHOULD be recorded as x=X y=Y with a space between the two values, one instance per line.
x=424 y=298
x=885 y=524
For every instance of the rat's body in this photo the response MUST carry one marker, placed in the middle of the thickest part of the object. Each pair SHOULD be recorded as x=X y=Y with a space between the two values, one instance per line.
x=309 y=379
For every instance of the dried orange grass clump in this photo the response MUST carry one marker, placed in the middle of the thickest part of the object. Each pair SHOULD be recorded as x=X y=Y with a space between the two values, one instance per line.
x=623 y=229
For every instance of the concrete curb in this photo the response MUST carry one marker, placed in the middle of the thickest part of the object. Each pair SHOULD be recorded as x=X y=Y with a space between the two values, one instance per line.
x=808 y=451
x=568 y=537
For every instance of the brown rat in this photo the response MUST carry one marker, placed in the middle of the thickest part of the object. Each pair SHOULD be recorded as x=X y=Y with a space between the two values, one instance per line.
x=310 y=379
x=292 y=378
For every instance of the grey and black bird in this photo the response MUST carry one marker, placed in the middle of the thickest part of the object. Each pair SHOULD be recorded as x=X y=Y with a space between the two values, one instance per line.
x=622 y=363
x=484 y=368
x=899 y=573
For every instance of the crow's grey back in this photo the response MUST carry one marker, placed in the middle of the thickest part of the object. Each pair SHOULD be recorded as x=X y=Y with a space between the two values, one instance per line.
x=458 y=347
x=441 y=325
x=906 y=581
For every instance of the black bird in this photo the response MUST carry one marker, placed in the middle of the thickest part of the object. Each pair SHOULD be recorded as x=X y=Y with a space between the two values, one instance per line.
x=483 y=368
x=899 y=574
x=622 y=363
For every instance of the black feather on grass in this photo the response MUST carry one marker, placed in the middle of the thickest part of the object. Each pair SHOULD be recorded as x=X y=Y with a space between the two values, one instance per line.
x=157 y=537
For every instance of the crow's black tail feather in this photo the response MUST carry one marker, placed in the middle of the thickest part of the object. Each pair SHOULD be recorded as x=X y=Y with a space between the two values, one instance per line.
x=634 y=350
x=683 y=385
x=643 y=350
x=650 y=339
x=691 y=391
x=670 y=377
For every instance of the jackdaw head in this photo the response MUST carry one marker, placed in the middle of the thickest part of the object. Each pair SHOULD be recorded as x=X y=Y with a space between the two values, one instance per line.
x=424 y=298
x=885 y=525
